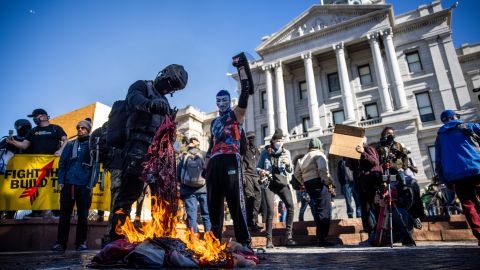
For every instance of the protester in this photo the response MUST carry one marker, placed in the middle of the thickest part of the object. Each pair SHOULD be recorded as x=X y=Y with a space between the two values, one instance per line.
x=347 y=181
x=457 y=158
x=44 y=138
x=312 y=170
x=417 y=210
x=393 y=158
x=7 y=151
x=223 y=167
x=276 y=161
x=193 y=190
x=74 y=174
x=253 y=191
x=146 y=108
x=369 y=180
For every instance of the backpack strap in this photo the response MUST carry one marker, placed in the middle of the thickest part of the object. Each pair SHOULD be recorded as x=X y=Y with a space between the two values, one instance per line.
x=469 y=133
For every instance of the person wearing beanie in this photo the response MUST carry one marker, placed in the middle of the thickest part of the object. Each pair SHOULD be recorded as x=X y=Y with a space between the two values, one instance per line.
x=275 y=162
x=44 y=138
x=74 y=173
x=312 y=170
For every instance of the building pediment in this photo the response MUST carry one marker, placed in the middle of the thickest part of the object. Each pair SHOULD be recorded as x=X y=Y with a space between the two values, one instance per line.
x=320 y=18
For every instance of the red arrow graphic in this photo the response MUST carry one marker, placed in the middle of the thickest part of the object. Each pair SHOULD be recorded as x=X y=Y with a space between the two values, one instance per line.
x=32 y=192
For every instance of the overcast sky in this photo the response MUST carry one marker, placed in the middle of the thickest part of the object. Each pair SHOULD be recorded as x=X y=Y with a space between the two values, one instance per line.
x=63 y=55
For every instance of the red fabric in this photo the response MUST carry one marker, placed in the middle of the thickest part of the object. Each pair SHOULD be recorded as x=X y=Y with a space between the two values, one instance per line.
x=467 y=190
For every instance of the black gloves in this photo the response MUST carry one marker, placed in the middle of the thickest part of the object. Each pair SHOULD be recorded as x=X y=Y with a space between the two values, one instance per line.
x=159 y=105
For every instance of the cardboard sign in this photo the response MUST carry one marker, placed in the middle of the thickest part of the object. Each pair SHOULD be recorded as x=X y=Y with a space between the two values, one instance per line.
x=345 y=139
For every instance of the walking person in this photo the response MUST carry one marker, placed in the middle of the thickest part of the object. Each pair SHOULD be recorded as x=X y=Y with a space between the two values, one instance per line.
x=193 y=190
x=457 y=158
x=312 y=170
x=276 y=161
x=74 y=173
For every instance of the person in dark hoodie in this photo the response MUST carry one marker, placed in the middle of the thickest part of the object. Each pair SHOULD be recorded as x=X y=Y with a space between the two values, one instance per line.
x=192 y=191
x=457 y=158
x=74 y=172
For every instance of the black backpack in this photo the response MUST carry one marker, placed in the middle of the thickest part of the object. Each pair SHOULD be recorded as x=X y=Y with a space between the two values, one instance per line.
x=98 y=142
x=117 y=119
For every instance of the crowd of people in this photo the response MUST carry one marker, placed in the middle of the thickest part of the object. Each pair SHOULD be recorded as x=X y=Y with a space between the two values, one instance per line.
x=249 y=178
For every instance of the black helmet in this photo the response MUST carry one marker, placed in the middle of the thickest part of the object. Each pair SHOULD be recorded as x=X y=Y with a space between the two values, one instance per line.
x=170 y=79
x=23 y=126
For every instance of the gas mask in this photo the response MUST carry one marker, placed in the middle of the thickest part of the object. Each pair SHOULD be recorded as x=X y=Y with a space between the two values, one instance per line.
x=223 y=101
x=170 y=79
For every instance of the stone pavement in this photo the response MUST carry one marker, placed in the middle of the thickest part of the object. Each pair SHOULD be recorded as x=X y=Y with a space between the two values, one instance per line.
x=427 y=255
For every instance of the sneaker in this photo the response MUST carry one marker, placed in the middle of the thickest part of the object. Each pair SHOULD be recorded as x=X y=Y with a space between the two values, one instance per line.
x=417 y=224
x=33 y=215
x=81 y=247
x=58 y=248
x=269 y=243
x=325 y=243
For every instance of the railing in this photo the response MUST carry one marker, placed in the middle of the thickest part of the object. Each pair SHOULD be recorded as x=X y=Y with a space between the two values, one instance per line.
x=299 y=136
x=370 y=122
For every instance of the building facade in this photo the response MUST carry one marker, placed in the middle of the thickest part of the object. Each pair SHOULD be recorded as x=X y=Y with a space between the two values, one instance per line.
x=357 y=64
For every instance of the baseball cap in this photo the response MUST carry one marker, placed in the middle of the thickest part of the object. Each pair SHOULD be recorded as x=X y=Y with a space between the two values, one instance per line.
x=37 y=112
x=447 y=114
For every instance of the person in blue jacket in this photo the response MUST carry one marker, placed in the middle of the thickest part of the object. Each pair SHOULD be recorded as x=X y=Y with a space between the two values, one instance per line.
x=74 y=173
x=457 y=158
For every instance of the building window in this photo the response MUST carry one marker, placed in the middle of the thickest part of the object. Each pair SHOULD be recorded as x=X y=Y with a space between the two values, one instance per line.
x=431 y=153
x=365 y=75
x=264 y=131
x=338 y=117
x=263 y=99
x=414 y=63
x=305 y=121
x=333 y=82
x=425 y=107
x=302 y=90
x=371 y=111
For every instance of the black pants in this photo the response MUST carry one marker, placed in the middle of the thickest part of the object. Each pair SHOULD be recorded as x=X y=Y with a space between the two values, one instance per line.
x=318 y=192
x=253 y=198
x=69 y=196
x=224 y=180
x=368 y=186
x=286 y=196
x=131 y=187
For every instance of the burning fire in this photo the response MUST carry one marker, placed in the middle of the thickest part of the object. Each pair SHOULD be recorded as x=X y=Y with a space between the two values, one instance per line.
x=164 y=224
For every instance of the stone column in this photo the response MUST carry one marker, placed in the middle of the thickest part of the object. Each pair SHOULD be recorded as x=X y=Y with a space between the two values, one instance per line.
x=347 y=97
x=282 y=106
x=312 y=92
x=444 y=86
x=270 y=110
x=458 y=80
x=380 y=72
x=400 y=95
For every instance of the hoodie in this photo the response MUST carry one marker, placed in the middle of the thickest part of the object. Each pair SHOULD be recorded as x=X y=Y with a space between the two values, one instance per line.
x=455 y=152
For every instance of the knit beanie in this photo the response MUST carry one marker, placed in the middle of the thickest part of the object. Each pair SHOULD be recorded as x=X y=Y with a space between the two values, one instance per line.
x=278 y=135
x=85 y=124
x=315 y=144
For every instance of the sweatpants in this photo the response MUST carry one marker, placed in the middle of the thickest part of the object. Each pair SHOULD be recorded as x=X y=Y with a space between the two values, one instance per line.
x=224 y=180
x=286 y=196
x=253 y=198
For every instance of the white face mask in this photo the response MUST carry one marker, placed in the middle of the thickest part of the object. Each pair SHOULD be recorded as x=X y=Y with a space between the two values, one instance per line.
x=223 y=103
x=278 y=145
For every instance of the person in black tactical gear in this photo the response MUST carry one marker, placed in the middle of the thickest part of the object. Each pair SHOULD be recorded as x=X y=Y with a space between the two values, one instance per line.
x=7 y=151
x=223 y=167
x=146 y=109
x=253 y=191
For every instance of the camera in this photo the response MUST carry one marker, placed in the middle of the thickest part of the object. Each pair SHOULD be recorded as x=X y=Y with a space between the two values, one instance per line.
x=265 y=180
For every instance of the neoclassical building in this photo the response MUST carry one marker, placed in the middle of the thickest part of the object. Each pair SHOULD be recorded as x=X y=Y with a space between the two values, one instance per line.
x=358 y=64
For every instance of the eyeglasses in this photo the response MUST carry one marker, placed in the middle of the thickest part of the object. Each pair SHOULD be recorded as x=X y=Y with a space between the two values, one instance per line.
x=82 y=128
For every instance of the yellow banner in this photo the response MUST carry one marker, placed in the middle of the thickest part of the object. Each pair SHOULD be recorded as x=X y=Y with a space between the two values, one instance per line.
x=30 y=182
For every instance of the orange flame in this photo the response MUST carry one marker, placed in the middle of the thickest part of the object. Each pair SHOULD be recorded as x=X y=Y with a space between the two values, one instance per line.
x=207 y=249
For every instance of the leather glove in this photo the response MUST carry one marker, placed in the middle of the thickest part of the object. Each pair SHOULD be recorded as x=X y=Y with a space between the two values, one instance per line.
x=159 y=105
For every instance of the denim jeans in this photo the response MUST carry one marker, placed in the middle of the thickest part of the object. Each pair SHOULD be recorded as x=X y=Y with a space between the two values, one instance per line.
x=349 y=191
x=191 y=206
x=304 y=204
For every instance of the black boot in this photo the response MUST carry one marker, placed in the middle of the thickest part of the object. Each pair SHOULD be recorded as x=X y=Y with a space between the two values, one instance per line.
x=289 y=239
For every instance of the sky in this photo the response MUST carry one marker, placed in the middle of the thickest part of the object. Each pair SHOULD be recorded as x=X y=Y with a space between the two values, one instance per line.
x=64 y=55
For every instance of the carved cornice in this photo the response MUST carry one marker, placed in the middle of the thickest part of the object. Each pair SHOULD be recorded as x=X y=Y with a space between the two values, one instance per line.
x=422 y=21
x=344 y=26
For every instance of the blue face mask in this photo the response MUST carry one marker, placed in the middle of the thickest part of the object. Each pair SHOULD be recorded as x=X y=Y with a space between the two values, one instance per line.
x=223 y=103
